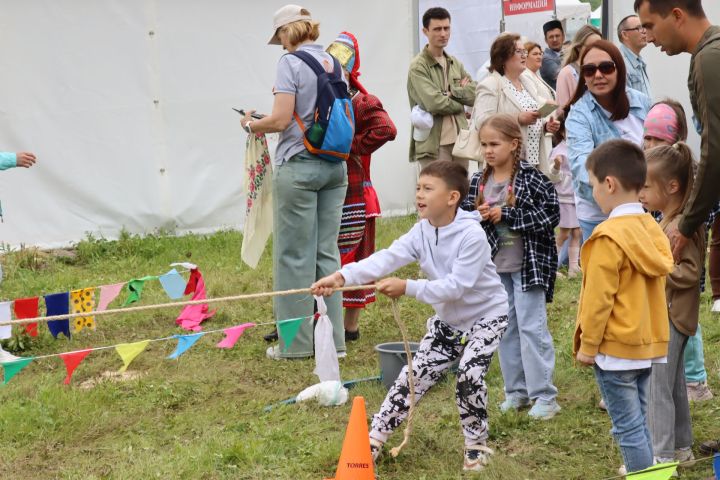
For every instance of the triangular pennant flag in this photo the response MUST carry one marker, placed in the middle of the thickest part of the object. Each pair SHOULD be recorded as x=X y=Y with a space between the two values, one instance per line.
x=27 y=308
x=287 y=329
x=57 y=304
x=5 y=330
x=659 y=471
x=83 y=300
x=173 y=283
x=72 y=360
x=192 y=282
x=184 y=344
x=232 y=334
x=128 y=352
x=14 y=367
x=108 y=293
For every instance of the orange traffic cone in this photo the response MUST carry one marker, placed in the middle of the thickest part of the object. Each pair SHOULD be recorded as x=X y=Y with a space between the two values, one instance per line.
x=355 y=459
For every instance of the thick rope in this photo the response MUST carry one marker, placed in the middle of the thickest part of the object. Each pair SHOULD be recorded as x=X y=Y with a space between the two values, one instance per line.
x=411 y=378
x=178 y=304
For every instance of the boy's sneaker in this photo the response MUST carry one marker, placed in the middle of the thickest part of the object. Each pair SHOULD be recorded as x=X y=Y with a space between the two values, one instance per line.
x=602 y=405
x=476 y=457
x=716 y=306
x=376 y=447
x=514 y=404
x=698 y=392
x=544 y=411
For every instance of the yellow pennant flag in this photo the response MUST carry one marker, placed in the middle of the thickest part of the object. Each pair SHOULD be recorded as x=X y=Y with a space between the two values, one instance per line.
x=83 y=300
x=128 y=352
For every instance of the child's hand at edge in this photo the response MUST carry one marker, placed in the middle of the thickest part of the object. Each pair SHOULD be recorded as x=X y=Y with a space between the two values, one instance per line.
x=585 y=360
x=327 y=285
x=393 y=287
x=494 y=215
x=483 y=209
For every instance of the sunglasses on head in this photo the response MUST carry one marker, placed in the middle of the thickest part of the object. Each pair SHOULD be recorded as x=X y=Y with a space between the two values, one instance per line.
x=590 y=69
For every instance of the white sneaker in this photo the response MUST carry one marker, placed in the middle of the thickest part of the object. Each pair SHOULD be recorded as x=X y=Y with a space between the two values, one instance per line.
x=7 y=356
x=685 y=457
x=698 y=392
x=476 y=458
x=716 y=306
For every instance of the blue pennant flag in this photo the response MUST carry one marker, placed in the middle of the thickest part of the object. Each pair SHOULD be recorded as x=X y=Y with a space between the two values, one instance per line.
x=184 y=343
x=173 y=283
x=58 y=304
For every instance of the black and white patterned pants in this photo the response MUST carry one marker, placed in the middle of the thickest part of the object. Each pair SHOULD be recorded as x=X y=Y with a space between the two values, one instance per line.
x=440 y=347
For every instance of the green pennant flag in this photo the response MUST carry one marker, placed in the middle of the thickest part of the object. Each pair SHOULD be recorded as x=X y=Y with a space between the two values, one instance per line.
x=135 y=288
x=14 y=367
x=288 y=329
x=661 y=471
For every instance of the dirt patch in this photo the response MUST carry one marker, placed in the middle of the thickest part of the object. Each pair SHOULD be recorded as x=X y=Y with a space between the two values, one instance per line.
x=111 y=376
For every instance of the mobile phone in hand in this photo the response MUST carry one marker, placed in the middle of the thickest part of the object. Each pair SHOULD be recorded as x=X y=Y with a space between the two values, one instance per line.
x=256 y=116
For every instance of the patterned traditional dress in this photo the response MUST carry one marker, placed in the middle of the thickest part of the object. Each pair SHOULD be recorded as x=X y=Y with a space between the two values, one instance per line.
x=373 y=128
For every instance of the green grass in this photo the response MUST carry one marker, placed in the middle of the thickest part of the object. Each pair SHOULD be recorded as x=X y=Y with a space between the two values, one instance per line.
x=202 y=415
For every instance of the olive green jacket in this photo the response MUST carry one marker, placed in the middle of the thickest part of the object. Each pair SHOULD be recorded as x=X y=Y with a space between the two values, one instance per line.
x=425 y=88
x=703 y=84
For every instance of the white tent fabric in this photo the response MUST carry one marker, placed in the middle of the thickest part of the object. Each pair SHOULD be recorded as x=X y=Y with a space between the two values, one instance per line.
x=127 y=104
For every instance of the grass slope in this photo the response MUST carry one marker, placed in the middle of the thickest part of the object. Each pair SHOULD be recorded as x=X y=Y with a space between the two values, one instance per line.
x=201 y=417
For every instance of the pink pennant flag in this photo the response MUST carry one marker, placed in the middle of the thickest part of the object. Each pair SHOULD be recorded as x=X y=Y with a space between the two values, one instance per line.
x=72 y=360
x=108 y=293
x=232 y=334
x=192 y=316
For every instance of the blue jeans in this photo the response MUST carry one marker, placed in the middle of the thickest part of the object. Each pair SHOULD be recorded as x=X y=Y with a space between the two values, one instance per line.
x=527 y=355
x=695 y=359
x=626 y=396
x=587 y=228
x=308 y=195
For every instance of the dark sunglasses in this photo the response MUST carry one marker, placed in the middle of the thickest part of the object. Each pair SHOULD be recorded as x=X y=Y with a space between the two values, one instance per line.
x=590 y=69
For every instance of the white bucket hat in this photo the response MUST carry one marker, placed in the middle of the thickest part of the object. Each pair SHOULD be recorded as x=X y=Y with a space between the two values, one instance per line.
x=287 y=14
x=422 y=122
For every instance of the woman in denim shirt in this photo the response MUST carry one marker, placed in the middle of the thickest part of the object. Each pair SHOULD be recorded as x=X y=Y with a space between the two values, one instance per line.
x=602 y=109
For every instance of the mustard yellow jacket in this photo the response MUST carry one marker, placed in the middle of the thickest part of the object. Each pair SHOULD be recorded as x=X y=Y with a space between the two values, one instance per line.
x=622 y=310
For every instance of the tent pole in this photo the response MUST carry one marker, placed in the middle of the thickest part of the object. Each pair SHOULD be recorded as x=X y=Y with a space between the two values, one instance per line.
x=502 y=18
x=606 y=18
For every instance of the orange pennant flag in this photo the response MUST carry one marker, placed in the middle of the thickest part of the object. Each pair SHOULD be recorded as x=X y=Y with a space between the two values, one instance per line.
x=72 y=360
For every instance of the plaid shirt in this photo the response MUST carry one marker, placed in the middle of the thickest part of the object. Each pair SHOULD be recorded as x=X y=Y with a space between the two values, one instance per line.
x=536 y=214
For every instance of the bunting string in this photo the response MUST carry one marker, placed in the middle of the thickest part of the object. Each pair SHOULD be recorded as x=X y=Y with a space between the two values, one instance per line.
x=140 y=308
x=153 y=340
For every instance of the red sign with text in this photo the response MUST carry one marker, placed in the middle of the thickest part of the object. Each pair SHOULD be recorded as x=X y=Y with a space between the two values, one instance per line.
x=518 y=7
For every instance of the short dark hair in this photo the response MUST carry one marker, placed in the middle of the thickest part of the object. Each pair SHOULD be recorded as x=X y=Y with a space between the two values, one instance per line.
x=502 y=50
x=552 y=25
x=620 y=159
x=453 y=174
x=620 y=102
x=435 y=13
x=621 y=26
x=664 y=7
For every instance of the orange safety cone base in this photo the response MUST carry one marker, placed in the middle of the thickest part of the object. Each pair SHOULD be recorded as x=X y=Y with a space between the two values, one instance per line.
x=355 y=459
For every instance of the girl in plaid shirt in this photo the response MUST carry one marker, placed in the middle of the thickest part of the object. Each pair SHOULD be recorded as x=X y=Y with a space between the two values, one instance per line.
x=520 y=210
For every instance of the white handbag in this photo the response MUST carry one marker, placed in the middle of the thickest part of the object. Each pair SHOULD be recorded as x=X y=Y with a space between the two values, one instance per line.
x=467 y=146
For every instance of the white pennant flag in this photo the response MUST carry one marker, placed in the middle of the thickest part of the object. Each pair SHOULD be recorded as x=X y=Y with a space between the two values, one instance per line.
x=5 y=330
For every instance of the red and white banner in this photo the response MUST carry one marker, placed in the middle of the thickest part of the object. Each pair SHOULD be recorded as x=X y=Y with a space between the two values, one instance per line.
x=518 y=7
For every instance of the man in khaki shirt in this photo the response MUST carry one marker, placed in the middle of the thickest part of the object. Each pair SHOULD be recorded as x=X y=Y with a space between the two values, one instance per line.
x=439 y=84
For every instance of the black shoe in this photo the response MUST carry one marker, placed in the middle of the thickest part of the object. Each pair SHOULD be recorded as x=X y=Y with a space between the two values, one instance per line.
x=352 y=336
x=710 y=447
x=271 y=337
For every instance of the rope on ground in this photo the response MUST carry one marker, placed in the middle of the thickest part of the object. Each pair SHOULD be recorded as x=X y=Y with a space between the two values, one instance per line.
x=67 y=316
x=410 y=375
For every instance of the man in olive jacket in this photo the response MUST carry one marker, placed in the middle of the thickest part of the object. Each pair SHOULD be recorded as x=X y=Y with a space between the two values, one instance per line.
x=678 y=26
x=439 y=84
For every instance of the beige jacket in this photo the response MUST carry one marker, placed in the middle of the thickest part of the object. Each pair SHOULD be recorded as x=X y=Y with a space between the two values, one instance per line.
x=493 y=95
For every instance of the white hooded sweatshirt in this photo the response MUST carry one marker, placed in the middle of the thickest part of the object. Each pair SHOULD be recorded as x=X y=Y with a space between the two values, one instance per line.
x=462 y=286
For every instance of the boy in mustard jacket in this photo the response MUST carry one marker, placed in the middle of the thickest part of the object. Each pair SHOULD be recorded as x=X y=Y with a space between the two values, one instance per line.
x=622 y=323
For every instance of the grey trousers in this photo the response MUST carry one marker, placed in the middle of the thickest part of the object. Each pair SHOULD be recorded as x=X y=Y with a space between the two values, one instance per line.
x=669 y=411
x=308 y=195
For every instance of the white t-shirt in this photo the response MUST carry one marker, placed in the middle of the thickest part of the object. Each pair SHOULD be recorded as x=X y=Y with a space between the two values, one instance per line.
x=609 y=362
